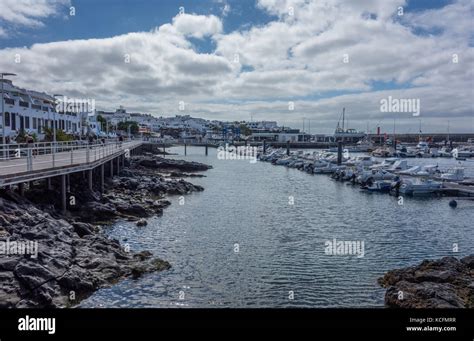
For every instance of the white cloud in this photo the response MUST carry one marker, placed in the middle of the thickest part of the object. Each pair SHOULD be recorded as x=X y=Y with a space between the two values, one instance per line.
x=298 y=57
x=29 y=12
x=197 y=26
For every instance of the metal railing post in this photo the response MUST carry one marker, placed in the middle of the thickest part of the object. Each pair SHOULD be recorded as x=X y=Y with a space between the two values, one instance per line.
x=29 y=160
x=53 y=155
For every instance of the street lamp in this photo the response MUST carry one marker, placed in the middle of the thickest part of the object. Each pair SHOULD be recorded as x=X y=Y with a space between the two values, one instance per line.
x=3 y=111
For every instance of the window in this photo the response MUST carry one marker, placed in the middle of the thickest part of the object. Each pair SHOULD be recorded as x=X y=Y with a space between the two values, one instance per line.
x=27 y=122
x=7 y=119
x=34 y=123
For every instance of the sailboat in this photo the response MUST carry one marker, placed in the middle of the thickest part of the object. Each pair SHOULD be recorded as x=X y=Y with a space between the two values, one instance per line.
x=349 y=134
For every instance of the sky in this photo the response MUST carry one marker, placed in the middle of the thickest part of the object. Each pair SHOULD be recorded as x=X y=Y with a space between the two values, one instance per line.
x=292 y=61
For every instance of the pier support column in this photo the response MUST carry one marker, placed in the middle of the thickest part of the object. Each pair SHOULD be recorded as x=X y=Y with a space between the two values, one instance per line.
x=185 y=152
x=339 y=153
x=288 y=148
x=49 y=186
x=68 y=183
x=63 y=193
x=118 y=165
x=264 y=146
x=102 y=175
x=21 y=188
x=123 y=161
x=111 y=168
x=89 y=179
x=207 y=149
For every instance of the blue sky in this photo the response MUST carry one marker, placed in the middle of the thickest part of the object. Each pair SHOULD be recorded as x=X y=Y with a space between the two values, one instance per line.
x=282 y=58
x=107 y=18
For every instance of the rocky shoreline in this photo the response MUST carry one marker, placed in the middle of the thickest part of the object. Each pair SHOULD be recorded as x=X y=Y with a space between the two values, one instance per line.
x=444 y=283
x=74 y=257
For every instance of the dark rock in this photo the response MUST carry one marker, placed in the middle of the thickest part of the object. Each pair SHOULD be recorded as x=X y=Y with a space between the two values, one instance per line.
x=142 y=222
x=82 y=229
x=444 y=283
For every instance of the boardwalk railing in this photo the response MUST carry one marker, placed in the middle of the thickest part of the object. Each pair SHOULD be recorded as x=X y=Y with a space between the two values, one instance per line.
x=19 y=158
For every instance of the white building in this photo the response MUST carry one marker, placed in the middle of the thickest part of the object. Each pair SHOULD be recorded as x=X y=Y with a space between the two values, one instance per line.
x=32 y=111
x=262 y=125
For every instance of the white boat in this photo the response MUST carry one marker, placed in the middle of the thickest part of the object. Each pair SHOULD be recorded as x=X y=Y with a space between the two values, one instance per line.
x=454 y=174
x=399 y=165
x=360 y=161
x=423 y=146
x=373 y=175
x=379 y=186
x=427 y=170
x=410 y=171
x=414 y=187
x=444 y=153
x=328 y=169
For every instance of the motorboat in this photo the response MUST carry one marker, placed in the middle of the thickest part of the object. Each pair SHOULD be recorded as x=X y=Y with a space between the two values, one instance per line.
x=423 y=146
x=427 y=170
x=454 y=174
x=379 y=186
x=407 y=153
x=398 y=165
x=387 y=163
x=410 y=171
x=415 y=187
x=328 y=169
x=444 y=153
x=360 y=161
x=373 y=175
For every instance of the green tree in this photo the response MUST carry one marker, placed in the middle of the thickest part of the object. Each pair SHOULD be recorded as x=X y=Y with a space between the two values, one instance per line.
x=124 y=126
x=244 y=130
x=60 y=135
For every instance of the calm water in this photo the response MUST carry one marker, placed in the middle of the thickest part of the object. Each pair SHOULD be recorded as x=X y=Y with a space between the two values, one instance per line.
x=281 y=246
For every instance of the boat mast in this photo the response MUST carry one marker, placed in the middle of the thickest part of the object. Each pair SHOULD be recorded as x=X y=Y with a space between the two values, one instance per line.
x=448 y=131
x=394 y=140
x=343 y=117
x=419 y=133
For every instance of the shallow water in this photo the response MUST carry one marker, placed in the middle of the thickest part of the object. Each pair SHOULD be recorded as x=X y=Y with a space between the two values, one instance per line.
x=281 y=247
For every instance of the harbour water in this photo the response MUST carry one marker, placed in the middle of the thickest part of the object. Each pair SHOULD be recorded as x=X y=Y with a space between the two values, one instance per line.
x=255 y=237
